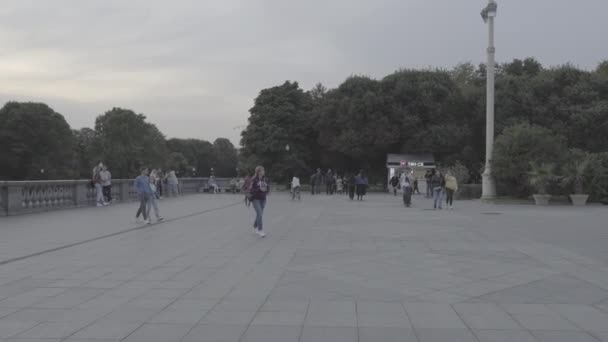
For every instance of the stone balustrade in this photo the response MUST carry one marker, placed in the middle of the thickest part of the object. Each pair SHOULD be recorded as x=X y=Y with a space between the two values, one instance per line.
x=23 y=197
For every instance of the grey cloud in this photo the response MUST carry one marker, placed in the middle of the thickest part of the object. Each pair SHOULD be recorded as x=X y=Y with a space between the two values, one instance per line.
x=194 y=66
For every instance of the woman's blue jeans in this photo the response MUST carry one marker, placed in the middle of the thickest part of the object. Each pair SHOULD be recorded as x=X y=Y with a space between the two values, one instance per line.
x=258 y=206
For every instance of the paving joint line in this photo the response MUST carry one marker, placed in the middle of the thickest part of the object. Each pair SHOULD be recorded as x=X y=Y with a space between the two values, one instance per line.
x=9 y=261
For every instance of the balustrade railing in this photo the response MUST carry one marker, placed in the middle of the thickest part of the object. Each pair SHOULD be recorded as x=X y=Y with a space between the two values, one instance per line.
x=36 y=196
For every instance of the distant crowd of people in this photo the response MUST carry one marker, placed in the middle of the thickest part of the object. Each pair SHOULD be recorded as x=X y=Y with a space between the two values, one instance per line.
x=439 y=186
x=151 y=185
x=355 y=184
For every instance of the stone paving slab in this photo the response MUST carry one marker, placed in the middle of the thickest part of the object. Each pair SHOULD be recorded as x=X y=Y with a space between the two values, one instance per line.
x=329 y=270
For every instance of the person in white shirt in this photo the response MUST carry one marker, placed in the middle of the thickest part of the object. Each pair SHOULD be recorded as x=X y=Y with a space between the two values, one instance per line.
x=106 y=184
x=295 y=187
x=406 y=187
x=173 y=183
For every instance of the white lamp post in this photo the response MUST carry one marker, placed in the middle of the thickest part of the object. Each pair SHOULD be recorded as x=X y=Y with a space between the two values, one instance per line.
x=488 y=185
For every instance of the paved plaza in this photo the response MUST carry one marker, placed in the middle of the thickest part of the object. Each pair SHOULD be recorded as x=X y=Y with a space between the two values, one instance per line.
x=329 y=270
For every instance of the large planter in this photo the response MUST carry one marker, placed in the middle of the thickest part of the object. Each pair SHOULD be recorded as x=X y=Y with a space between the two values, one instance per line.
x=579 y=200
x=542 y=199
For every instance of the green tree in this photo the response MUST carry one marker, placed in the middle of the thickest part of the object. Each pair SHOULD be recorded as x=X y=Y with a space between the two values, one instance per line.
x=200 y=155
x=226 y=158
x=602 y=68
x=126 y=142
x=280 y=116
x=517 y=148
x=178 y=163
x=85 y=155
x=33 y=137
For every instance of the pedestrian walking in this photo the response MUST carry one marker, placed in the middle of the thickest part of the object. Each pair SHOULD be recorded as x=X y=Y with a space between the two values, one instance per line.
x=428 y=177
x=247 y=190
x=361 y=183
x=144 y=192
x=106 y=184
x=329 y=182
x=96 y=181
x=159 y=183
x=340 y=185
x=352 y=186
x=259 y=191
x=407 y=188
x=438 y=185
x=394 y=183
x=416 y=190
x=212 y=184
x=153 y=200
x=172 y=183
x=451 y=186
x=316 y=181
x=295 y=188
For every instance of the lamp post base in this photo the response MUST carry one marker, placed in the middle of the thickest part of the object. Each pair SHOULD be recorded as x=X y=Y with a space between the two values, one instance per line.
x=488 y=187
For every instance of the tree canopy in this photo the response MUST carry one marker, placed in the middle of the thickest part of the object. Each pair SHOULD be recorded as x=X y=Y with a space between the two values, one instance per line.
x=35 y=143
x=442 y=112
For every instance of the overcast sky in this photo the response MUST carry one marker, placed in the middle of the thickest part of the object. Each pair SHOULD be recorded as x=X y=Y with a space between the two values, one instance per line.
x=195 y=66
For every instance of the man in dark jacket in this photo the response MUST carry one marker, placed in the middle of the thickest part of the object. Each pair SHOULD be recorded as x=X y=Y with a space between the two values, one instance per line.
x=394 y=182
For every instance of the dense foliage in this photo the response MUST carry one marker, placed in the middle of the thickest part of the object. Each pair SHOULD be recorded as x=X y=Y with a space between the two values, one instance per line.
x=542 y=112
x=37 y=143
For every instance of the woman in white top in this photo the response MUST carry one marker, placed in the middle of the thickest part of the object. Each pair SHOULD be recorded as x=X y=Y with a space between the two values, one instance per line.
x=295 y=187
x=406 y=187
x=172 y=182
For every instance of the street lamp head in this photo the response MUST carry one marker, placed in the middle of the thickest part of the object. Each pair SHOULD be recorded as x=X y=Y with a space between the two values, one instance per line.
x=287 y=147
x=489 y=11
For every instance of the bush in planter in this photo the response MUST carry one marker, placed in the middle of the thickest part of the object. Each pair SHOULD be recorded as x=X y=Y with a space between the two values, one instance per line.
x=540 y=178
x=515 y=148
x=573 y=180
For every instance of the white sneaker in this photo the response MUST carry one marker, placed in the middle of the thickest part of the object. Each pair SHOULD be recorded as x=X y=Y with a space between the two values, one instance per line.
x=160 y=219
x=99 y=205
x=451 y=207
x=138 y=221
x=149 y=221
x=261 y=233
